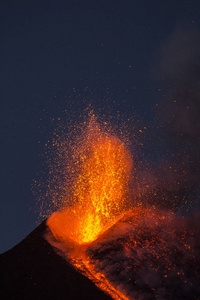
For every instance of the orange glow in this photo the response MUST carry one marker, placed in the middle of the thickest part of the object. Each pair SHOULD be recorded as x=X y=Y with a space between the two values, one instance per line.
x=98 y=278
x=102 y=164
x=98 y=190
x=124 y=247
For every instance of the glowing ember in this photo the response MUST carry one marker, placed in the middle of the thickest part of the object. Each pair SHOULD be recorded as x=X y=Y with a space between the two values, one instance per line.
x=99 y=189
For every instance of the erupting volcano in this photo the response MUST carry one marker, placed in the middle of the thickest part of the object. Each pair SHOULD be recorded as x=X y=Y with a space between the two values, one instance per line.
x=105 y=244
x=129 y=252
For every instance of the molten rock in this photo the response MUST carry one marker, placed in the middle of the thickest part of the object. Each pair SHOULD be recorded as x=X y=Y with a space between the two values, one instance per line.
x=147 y=254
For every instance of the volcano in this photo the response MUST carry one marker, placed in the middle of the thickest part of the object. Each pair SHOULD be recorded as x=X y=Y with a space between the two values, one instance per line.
x=146 y=254
x=33 y=270
x=98 y=242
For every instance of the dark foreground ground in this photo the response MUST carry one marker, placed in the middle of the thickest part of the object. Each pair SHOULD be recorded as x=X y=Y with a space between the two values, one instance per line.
x=32 y=270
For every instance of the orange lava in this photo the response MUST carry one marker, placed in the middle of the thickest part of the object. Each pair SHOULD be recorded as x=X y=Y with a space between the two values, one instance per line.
x=98 y=190
x=103 y=164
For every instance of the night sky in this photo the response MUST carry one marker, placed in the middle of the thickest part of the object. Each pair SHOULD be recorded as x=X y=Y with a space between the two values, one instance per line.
x=57 y=57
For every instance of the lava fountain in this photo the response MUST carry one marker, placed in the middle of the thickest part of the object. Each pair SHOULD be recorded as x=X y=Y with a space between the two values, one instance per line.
x=99 y=190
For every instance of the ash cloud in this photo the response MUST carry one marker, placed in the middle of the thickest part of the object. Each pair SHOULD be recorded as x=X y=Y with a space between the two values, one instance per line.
x=179 y=55
x=178 y=111
x=180 y=67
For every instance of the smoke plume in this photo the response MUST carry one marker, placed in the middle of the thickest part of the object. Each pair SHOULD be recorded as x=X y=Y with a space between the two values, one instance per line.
x=178 y=113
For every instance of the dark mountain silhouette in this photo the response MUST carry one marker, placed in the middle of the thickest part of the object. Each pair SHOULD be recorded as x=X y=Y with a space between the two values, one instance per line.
x=33 y=270
x=147 y=254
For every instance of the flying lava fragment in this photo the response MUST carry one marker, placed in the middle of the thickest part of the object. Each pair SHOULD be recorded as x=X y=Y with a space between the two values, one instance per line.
x=98 y=190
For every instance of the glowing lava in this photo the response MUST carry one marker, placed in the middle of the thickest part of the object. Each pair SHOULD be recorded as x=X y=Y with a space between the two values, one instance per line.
x=98 y=190
x=138 y=253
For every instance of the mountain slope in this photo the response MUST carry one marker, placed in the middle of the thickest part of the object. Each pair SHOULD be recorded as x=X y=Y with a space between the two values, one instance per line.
x=32 y=270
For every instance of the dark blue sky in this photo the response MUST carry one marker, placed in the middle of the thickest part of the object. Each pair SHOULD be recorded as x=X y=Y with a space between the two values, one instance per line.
x=62 y=55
